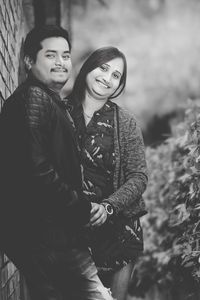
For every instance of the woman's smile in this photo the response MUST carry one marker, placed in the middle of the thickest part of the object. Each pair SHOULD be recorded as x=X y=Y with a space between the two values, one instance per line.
x=103 y=83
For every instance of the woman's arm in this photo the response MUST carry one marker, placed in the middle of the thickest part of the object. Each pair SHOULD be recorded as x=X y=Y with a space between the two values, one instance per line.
x=127 y=199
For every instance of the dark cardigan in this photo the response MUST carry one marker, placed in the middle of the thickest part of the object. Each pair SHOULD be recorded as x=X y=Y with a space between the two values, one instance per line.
x=130 y=175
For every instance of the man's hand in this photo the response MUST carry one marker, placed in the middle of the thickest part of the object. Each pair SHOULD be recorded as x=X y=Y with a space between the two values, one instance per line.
x=98 y=214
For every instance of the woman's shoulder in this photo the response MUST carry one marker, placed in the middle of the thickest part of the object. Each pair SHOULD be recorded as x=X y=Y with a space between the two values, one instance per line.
x=125 y=116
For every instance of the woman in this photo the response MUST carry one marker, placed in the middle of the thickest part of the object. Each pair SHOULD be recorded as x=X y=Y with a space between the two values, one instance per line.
x=113 y=159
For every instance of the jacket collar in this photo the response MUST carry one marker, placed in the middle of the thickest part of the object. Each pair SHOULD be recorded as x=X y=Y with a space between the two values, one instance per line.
x=32 y=80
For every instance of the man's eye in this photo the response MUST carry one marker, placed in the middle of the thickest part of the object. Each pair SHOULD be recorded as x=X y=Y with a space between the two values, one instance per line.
x=66 y=57
x=50 y=55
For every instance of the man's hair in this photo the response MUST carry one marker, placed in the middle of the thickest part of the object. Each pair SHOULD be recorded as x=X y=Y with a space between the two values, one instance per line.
x=32 y=43
x=95 y=60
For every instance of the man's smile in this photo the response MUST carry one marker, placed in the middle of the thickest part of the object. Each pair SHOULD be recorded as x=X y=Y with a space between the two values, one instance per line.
x=59 y=70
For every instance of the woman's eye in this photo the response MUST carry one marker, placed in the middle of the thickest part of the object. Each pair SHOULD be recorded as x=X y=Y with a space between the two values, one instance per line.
x=103 y=68
x=116 y=76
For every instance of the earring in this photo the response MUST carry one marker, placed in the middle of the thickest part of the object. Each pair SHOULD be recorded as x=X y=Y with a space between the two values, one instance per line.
x=28 y=66
x=28 y=62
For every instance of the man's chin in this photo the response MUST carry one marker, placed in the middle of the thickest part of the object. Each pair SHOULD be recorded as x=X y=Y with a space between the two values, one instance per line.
x=61 y=81
x=57 y=85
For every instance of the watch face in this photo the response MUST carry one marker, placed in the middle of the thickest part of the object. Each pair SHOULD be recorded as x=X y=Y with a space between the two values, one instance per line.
x=109 y=209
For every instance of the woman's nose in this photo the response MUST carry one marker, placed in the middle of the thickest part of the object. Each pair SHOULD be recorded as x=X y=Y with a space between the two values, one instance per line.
x=107 y=77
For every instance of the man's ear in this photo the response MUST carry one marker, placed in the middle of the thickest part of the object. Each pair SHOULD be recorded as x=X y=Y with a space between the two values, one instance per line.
x=28 y=62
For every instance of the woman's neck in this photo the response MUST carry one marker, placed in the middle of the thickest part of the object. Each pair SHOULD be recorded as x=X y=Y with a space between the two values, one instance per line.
x=90 y=104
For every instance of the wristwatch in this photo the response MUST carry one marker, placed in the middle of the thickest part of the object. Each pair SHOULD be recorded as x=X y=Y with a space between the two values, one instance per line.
x=108 y=208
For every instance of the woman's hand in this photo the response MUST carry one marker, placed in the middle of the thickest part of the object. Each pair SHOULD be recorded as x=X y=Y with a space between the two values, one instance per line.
x=98 y=215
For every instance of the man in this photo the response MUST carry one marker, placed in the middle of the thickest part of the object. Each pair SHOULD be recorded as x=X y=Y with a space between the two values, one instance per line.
x=42 y=208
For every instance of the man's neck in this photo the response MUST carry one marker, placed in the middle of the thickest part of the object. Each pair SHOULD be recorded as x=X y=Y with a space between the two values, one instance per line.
x=56 y=88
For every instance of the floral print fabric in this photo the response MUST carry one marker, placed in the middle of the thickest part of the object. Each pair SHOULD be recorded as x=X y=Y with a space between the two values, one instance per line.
x=97 y=155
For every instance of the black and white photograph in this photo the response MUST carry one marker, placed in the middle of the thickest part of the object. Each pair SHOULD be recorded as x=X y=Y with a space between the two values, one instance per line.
x=99 y=150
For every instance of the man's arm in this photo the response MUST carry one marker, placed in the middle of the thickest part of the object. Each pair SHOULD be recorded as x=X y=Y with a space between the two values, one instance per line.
x=39 y=111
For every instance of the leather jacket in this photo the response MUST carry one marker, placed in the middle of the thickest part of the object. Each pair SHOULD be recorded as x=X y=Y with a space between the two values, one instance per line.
x=42 y=180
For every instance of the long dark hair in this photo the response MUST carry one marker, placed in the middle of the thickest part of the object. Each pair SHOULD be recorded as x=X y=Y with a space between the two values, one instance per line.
x=96 y=59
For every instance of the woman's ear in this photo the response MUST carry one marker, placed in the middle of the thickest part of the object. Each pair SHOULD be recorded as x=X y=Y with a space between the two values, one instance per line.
x=28 y=62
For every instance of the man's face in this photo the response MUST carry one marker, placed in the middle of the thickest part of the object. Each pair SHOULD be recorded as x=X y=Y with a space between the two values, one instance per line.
x=53 y=63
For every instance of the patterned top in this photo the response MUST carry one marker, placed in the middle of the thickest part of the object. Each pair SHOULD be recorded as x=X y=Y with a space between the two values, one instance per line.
x=98 y=157
x=129 y=180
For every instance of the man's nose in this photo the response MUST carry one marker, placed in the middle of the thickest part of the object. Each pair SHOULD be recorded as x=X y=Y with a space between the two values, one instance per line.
x=59 y=61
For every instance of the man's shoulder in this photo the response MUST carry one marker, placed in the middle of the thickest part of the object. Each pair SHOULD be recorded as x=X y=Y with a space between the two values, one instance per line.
x=26 y=89
x=38 y=93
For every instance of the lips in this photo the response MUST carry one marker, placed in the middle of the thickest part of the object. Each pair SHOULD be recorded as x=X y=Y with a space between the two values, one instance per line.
x=58 y=70
x=102 y=83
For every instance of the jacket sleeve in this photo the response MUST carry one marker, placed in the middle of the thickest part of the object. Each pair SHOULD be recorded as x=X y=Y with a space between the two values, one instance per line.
x=65 y=200
x=127 y=199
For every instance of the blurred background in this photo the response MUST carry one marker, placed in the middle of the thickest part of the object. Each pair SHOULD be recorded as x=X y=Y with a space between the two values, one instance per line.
x=161 y=41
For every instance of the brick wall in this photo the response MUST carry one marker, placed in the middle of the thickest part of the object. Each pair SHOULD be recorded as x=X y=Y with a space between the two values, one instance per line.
x=11 y=22
x=13 y=27
x=9 y=280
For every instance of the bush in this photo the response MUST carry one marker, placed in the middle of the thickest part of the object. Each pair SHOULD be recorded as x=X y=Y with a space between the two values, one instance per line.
x=172 y=227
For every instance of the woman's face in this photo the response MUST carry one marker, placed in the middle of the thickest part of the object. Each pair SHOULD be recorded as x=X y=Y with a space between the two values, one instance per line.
x=103 y=81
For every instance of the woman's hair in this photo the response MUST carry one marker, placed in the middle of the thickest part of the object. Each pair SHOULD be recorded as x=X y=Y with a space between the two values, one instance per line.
x=95 y=60
x=34 y=38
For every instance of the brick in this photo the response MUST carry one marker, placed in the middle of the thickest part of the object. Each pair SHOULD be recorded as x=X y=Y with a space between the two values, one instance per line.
x=4 y=71
x=6 y=21
x=15 y=32
x=12 y=28
x=10 y=287
x=12 y=297
x=5 y=258
x=4 y=33
x=8 y=84
x=9 y=33
x=2 y=82
x=7 y=92
x=13 y=284
x=1 y=43
x=4 y=276
x=1 y=257
x=1 y=105
x=6 y=59
x=3 y=49
x=3 y=294
x=3 y=9
x=9 y=44
x=2 y=87
x=1 y=18
x=8 y=9
x=11 y=269
x=12 y=22
x=11 y=5
x=12 y=85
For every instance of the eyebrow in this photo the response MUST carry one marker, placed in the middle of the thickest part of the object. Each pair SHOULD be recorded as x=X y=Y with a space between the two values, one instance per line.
x=54 y=51
x=118 y=72
x=115 y=70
